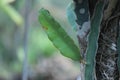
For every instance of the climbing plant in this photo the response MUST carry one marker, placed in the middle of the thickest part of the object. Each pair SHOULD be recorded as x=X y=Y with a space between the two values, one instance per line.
x=87 y=26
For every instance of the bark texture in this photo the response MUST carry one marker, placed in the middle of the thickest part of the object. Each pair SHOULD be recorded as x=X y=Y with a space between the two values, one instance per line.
x=106 y=59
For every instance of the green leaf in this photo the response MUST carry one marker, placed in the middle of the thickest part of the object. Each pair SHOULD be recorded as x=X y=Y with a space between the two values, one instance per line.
x=78 y=13
x=93 y=41
x=58 y=36
x=72 y=16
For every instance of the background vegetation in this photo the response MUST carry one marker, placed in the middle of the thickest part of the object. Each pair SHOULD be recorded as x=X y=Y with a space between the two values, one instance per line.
x=44 y=59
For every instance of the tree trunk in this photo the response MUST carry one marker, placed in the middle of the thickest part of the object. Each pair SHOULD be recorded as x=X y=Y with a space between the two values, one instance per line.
x=106 y=59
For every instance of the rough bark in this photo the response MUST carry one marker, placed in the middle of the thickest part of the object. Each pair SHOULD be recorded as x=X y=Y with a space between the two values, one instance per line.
x=106 y=59
x=107 y=56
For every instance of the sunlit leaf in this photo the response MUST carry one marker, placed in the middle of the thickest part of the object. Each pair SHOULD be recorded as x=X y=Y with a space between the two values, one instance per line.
x=58 y=36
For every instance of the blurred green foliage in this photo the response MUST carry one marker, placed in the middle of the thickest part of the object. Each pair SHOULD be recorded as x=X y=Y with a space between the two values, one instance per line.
x=12 y=13
x=7 y=28
x=39 y=45
x=11 y=32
